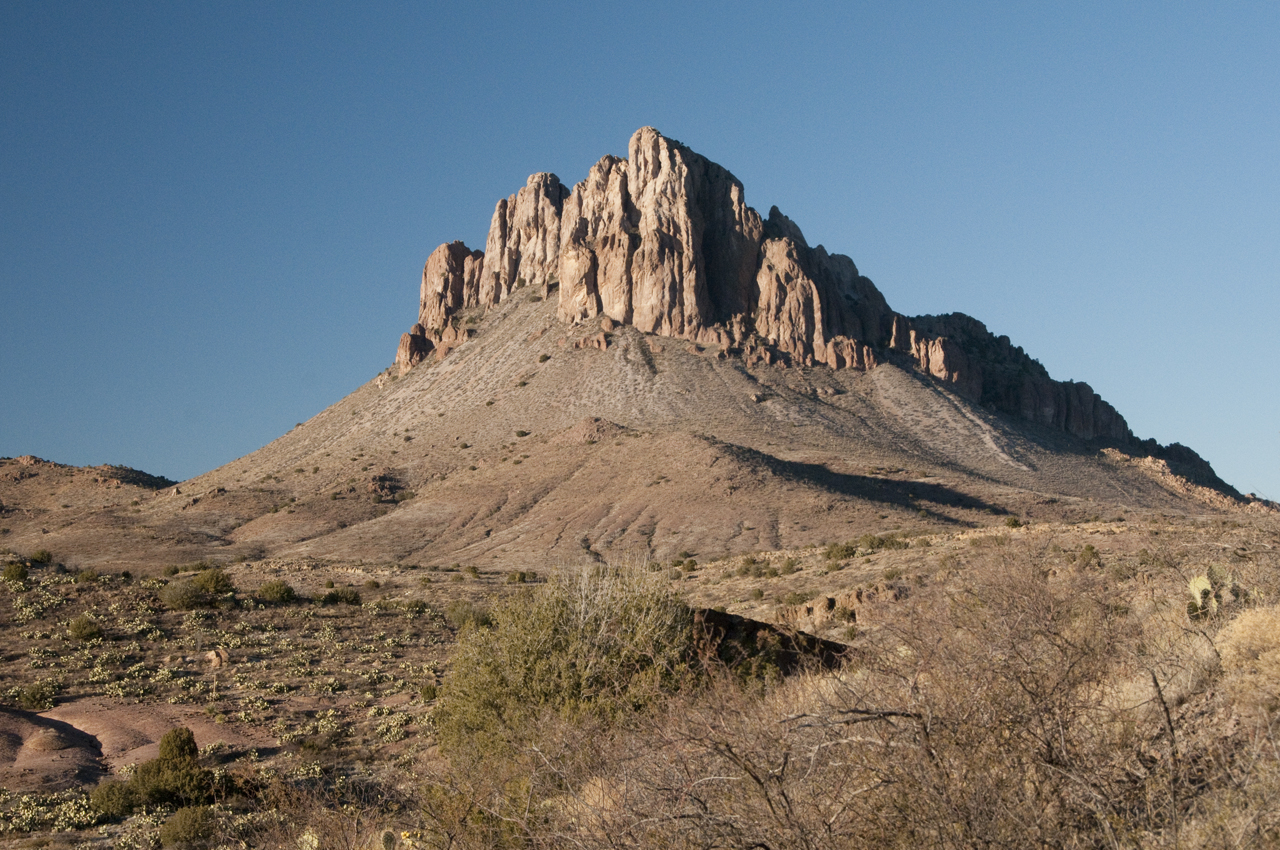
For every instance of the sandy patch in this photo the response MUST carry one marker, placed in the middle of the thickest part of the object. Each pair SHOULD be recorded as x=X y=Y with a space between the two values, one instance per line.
x=129 y=734
x=43 y=754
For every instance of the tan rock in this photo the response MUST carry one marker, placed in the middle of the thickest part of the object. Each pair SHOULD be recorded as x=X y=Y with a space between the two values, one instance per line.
x=687 y=204
x=523 y=248
x=450 y=282
x=596 y=340
x=413 y=349
x=598 y=237
x=664 y=241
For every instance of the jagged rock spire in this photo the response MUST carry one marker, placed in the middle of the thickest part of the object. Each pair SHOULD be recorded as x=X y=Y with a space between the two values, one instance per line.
x=665 y=241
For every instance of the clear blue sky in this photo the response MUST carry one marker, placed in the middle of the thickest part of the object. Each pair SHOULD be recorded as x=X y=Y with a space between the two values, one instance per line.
x=215 y=215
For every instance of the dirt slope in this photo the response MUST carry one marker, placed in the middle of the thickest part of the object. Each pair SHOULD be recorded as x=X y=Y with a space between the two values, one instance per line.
x=522 y=447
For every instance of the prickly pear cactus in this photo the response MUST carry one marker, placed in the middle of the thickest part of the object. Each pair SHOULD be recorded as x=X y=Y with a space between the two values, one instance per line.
x=1204 y=600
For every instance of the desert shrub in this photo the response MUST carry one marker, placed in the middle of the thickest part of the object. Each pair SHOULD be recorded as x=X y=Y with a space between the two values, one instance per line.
x=1012 y=522
x=183 y=596
x=795 y=597
x=41 y=556
x=15 y=571
x=840 y=551
x=214 y=581
x=876 y=542
x=86 y=576
x=598 y=642
x=341 y=596
x=372 y=584
x=277 y=592
x=38 y=696
x=177 y=744
x=84 y=627
x=172 y=570
x=980 y=723
x=114 y=799
x=871 y=542
x=1250 y=649
x=517 y=577
x=191 y=826
x=174 y=777
x=460 y=613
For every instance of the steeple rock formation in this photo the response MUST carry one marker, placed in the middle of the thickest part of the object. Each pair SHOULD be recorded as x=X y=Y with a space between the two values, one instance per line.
x=664 y=241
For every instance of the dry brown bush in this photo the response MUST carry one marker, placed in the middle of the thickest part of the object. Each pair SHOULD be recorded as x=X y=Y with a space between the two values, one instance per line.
x=1020 y=706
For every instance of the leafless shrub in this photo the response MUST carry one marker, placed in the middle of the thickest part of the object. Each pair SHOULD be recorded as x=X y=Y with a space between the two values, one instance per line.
x=1019 y=706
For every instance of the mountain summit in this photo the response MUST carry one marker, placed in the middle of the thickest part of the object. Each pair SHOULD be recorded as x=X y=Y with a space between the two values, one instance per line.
x=640 y=366
x=665 y=242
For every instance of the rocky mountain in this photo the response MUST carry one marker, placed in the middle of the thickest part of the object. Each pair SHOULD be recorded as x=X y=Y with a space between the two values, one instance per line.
x=664 y=241
x=637 y=367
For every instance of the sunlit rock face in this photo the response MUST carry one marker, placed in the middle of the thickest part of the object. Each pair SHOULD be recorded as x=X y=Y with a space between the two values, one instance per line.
x=664 y=241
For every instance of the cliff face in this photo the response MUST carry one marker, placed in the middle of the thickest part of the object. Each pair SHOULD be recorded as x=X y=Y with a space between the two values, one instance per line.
x=665 y=241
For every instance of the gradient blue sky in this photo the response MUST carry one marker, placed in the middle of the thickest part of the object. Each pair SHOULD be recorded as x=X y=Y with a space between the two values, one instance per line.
x=215 y=216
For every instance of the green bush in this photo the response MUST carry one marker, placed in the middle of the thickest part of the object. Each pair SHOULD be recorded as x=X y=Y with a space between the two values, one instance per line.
x=1089 y=556
x=876 y=542
x=174 y=777
x=277 y=593
x=114 y=799
x=183 y=596
x=84 y=627
x=178 y=743
x=192 y=826
x=600 y=642
x=15 y=571
x=41 y=556
x=341 y=596
x=840 y=551
x=172 y=570
x=86 y=576
x=38 y=696
x=214 y=582
x=460 y=613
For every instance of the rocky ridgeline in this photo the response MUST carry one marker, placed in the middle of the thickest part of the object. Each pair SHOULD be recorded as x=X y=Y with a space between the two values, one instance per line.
x=664 y=241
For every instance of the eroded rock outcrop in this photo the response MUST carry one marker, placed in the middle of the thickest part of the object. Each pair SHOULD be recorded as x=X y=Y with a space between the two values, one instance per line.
x=664 y=241
x=523 y=248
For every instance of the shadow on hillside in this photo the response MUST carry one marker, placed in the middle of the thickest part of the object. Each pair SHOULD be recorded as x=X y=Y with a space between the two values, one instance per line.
x=912 y=495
